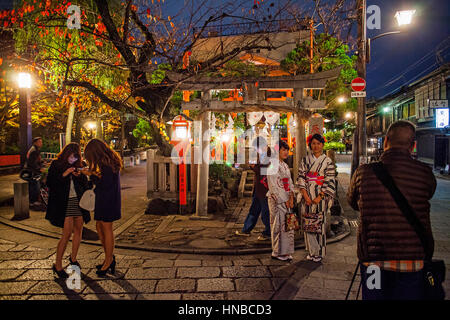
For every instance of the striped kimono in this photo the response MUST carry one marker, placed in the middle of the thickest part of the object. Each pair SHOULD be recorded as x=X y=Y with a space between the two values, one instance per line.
x=316 y=175
x=280 y=187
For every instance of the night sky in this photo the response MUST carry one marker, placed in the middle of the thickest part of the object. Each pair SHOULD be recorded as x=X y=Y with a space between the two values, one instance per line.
x=399 y=59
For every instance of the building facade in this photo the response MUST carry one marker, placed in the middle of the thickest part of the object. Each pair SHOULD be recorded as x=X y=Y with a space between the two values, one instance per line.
x=424 y=103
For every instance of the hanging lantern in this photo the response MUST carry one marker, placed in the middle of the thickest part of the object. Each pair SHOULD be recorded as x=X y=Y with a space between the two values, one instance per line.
x=181 y=129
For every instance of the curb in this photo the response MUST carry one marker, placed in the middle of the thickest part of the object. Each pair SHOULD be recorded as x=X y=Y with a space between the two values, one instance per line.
x=165 y=249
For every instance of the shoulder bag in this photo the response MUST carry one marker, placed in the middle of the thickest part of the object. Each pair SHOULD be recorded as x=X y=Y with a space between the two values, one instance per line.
x=434 y=270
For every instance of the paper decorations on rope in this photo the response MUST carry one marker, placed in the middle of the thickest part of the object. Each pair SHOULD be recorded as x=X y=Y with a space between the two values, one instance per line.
x=254 y=117
x=271 y=117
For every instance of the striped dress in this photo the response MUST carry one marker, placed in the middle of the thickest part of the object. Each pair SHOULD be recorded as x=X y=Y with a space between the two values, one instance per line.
x=316 y=175
x=73 y=208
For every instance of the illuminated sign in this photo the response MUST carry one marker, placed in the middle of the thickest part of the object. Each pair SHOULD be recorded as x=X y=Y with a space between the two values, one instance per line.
x=441 y=118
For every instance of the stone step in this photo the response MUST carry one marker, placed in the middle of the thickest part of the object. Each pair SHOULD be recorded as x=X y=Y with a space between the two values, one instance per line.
x=248 y=194
x=248 y=187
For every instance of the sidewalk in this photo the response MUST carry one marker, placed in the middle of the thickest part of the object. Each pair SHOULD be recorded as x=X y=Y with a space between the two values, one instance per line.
x=174 y=233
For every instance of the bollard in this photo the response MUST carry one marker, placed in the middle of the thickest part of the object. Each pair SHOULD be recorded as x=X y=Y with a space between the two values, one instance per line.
x=21 y=201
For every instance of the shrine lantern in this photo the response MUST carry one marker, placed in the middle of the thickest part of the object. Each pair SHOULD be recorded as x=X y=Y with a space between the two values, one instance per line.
x=181 y=129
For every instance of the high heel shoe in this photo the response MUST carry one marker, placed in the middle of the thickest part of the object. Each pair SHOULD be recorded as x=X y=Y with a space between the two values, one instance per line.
x=111 y=268
x=74 y=263
x=99 y=266
x=61 y=274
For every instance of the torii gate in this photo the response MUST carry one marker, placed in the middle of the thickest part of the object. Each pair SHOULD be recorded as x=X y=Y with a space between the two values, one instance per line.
x=254 y=99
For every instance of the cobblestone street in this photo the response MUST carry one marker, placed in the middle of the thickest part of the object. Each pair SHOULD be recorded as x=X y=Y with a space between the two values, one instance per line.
x=26 y=260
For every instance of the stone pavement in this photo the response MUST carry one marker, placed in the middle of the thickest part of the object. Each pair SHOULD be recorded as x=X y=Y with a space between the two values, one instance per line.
x=26 y=259
x=172 y=233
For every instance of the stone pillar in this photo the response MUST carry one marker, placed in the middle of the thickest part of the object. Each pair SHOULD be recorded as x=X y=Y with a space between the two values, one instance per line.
x=21 y=201
x=150 y=172
x=203 y=170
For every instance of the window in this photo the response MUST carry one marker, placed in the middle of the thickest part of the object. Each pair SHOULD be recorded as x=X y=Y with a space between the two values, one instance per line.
x=412 y=109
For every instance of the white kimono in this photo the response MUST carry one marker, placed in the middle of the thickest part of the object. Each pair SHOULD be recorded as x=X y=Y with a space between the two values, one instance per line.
x=280 y=187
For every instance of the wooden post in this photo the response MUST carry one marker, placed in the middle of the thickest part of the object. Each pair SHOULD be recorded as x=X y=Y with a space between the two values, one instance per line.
x=203 y=171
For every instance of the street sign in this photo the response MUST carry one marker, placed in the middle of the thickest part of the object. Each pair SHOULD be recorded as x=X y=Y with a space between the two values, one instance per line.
x=358 y=94
x=358 y=84
x=438 y=104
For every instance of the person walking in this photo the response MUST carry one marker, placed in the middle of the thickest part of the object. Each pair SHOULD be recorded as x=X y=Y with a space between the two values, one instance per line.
x=317 y=186
x=66 y=187
x=386 y=240
x=259 y=201
x=104 y=170
x=280 y=200
x=34 y=164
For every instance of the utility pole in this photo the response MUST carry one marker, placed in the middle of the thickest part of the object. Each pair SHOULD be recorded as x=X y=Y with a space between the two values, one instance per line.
x=360 y=137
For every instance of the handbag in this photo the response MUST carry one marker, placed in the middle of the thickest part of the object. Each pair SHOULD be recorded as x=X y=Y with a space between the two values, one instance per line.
x=87 y=200
x=291 y=221
x=434 y=270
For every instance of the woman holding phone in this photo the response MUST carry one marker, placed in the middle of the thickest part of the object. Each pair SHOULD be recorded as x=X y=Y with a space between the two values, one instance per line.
x=66 y=186
x=104 y=169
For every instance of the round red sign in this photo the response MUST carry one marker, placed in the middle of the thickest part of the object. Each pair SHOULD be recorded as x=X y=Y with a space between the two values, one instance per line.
x=358 y=84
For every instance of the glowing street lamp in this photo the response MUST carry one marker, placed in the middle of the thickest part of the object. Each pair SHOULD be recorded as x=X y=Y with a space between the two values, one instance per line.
x=341 y=99
x=24 y=84
x=24 y=80
x=404 y=17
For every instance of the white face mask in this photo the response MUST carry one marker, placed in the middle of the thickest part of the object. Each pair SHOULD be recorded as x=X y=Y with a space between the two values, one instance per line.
x=72 y=159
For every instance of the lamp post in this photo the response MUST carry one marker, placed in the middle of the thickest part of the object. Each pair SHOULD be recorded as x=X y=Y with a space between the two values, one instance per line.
x=359 y=149
x=24 y=83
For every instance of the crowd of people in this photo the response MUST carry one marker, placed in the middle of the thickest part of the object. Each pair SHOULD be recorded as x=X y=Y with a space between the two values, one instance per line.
x=386 y=236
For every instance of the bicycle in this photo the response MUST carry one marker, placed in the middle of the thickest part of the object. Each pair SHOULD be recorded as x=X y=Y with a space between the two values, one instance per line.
x=28 y=175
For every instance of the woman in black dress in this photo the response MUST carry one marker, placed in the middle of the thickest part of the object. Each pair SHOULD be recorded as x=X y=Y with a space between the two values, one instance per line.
x=104 y=170
x=66 y=186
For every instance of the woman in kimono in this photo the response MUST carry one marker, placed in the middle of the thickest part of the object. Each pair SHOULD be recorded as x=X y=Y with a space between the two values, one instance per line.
x=316 y=181
x=280 y=199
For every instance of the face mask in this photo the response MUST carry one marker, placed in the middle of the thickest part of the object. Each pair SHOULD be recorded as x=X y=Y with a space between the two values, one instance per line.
x=72 y=159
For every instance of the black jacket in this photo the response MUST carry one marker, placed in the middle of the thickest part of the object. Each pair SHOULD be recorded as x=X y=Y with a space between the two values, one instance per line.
x=59 y=188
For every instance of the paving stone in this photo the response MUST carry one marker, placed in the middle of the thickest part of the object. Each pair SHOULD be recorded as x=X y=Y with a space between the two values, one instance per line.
x=36 y=255
x=244 y=272
x=15 y=264
x=249 y=295
x=55 y=297
x=130 y=263
x=6 y=247
x=283 y=271
x=55 y=286
x=250 y=262
x=10 y=274
x=212 y=285
x=278 y=282
x=158 y=263
x=120 y=286
x=19 y=247
x=203 y=296
x=272 y=262
x=320 y=294
x=313 y=282
x=14 y=297
x=8 y=255
x=337 y=284
x=185 y=256
x=150 y=273
x=129 y=296
x=16 y=287
x=254 y=285
x=176 y=285
x=37 y=274
x=200 y=272
x=92 y=275
x=41 y=264
x=217 y=263
x=3 y=241
x=188 y=263
x=159 y=296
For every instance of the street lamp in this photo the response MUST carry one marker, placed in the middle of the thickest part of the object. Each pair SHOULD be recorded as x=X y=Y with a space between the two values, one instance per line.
x=404 y=17
x=24 y=84
x=91 y=125
x=364 y=44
